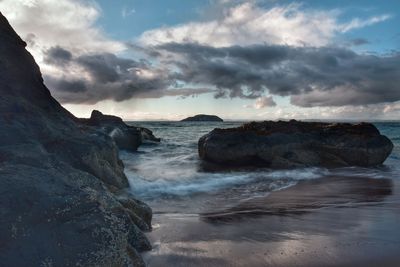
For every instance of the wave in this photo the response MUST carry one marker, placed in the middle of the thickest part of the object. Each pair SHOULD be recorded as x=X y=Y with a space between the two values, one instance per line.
x=247 y=184
x=170 y=169
x=214 y=182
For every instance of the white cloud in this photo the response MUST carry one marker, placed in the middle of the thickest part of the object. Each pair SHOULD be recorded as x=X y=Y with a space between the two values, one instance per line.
x=392 y=108
x=359 y=23
x=247 y=24
x=262 y=102
x=67 y=23
x=366 y=112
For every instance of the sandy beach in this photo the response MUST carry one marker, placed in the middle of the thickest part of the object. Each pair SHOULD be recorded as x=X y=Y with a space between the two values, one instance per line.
x=333 y=221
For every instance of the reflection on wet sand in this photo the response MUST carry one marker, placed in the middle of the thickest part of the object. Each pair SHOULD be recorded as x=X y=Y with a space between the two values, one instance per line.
x=333 y=221
x=308 y=195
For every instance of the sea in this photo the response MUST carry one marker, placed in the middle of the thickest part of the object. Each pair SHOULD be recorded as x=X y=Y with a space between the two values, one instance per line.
x=171 y=171
x=180 y=188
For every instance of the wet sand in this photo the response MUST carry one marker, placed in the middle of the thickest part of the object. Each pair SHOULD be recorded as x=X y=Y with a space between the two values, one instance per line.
x=332 y=221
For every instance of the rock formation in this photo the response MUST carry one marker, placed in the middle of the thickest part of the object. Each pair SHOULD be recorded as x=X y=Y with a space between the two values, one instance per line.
x=296 y=144
x=147 y=135
x=202 y=117
x=126 y=137
x=59 y=179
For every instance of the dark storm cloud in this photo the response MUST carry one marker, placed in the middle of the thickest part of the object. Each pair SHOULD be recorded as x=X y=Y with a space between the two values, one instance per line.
x=103 y=76
x=57 y=56
x=65 y=85
x=180 y=92
x=235 y=71
x=107 y=67
x=326 y=76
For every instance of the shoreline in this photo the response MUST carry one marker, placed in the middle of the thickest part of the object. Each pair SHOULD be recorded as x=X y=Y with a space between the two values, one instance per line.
x=323 y=222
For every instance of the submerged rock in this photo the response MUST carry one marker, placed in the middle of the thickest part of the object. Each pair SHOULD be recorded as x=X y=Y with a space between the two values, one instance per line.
x=202 y=117
x=295 y=144
x=59 y=178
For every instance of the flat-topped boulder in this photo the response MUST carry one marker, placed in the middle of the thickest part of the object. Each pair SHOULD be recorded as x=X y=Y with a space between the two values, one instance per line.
x=203 y=117
x=288 y=144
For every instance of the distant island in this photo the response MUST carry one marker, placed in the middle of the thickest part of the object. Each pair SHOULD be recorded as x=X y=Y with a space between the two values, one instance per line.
x=203 y=117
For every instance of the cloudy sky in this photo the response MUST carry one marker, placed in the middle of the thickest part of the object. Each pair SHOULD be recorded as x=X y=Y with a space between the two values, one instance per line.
x=256 y=59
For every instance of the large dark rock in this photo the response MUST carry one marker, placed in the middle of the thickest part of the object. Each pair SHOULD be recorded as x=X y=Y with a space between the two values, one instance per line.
x=294 y=144
x=59 y=178
x=147 y=135
x=202 y=117
x=126 y=137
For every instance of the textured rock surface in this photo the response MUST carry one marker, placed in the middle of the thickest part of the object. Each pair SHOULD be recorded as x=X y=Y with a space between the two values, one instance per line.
x=147 y=135
x=202 y=117
x=126 y=137
x=58 y=178
x=295 y=144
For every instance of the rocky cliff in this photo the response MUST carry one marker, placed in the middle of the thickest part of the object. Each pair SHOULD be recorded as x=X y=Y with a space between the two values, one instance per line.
x=59 y=179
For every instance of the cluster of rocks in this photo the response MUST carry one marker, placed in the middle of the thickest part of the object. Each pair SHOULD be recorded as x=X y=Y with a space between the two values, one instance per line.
x=61 y=180
x=288 y=144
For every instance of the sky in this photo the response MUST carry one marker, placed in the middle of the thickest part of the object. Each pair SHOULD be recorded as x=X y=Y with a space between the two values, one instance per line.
x=240 y=60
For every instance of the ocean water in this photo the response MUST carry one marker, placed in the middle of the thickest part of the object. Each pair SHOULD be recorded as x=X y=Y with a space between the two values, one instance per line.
x=171 y=178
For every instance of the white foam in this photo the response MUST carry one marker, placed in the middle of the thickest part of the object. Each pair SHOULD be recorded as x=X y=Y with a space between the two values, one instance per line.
x=212 y=182
x=115 y=133
x=183 y=187
x=298 y=174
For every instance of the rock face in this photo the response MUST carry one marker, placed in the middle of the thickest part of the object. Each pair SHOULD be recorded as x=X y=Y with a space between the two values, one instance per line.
x=59 y=178
x=147 y=135
x=296 y=144
x=125 y=137
x=202 y=117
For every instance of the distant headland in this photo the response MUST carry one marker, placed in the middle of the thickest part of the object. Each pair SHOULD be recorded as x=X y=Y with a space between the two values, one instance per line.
x=203 y=117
